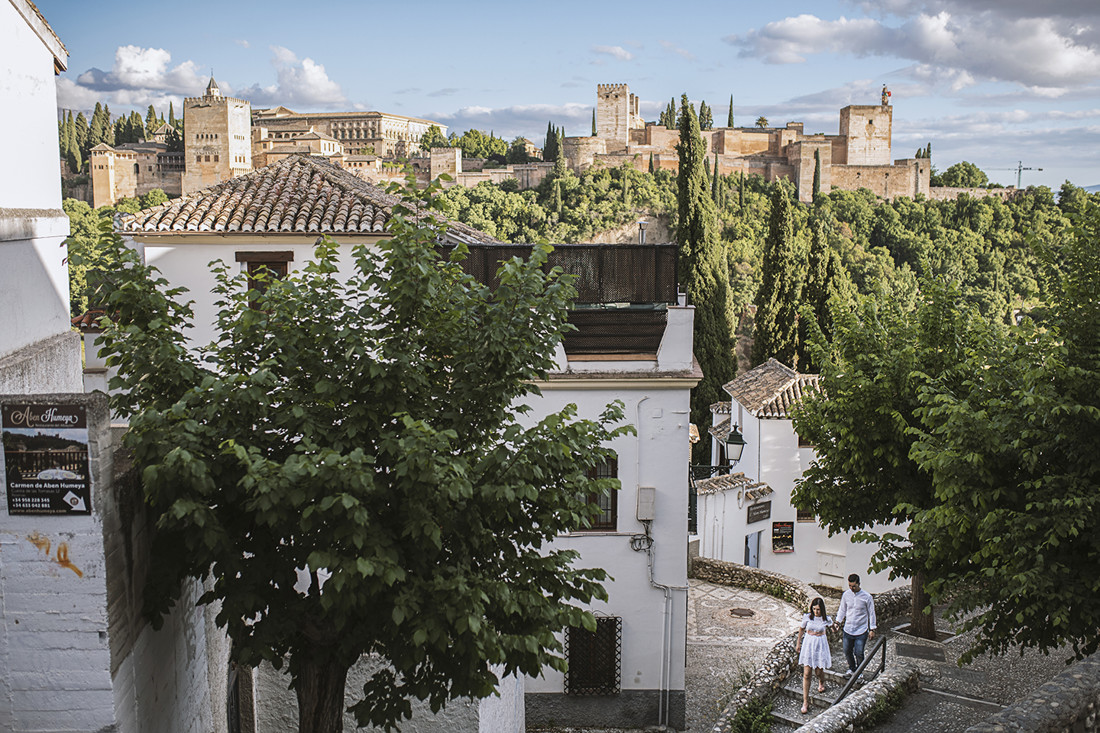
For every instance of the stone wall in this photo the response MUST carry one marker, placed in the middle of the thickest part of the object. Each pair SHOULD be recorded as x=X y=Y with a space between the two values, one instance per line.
x=868 y=132
x=1069 y=703
x=847 y=714
x=217 y=140
x=950 y=193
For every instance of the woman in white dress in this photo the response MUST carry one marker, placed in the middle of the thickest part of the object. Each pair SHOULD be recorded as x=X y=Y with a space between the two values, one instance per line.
x=813 y=649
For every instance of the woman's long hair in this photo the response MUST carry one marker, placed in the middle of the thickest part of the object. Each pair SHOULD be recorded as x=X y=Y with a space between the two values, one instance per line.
x=818 y=602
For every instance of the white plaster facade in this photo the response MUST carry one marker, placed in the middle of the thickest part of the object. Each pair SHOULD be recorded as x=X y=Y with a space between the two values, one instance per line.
x=37 y=351
x=773 y=457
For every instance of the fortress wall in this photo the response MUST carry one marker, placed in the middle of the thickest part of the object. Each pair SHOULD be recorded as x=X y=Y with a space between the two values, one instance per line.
x=580 y=152
x=888 y=181
x=800 y=156
x=613 y=114
x=950 y=193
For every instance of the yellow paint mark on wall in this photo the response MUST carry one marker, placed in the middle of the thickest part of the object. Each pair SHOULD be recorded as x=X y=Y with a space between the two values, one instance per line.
x=61 y=558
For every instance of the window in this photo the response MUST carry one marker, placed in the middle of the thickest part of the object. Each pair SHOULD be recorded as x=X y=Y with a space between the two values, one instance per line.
x=275 y=265
x=607 y=519
x=805 y=516
x=594 y=658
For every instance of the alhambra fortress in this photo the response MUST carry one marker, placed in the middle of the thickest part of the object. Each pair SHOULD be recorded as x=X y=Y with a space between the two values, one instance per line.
x=224 y=138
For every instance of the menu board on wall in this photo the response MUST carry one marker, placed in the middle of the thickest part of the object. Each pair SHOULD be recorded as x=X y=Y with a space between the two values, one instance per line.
x=782 y=536
x=759 y=512
x=46 y=459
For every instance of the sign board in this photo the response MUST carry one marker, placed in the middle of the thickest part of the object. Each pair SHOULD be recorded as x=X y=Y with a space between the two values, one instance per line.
x=759 y=512
x=782 y=536
x=46 y=459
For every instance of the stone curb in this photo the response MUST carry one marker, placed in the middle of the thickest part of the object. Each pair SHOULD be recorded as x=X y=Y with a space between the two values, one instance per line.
x=849 y=711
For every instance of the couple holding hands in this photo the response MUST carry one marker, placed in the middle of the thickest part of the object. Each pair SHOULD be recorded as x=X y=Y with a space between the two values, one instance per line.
x=857 y=616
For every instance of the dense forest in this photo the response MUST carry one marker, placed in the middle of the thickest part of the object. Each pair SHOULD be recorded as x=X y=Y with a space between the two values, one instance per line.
x=985 y=245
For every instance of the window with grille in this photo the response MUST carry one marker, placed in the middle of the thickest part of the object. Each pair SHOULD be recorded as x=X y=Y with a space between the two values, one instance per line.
x=607 y=519
x=806 y=516
x=595 y=658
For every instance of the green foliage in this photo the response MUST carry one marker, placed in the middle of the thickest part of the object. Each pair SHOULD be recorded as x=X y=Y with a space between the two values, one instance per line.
x=776 y=327
x=476 y=144
x=964 y=174
x=817 y=173
x=706 y=116
x=704 y=271
x=754 y=716
x=433 y=138
x=762 y=122
x=517 y=151
x=729 y=118
x=356 y=438
x=1013 y=448
x=593 y=122
x=884 y=708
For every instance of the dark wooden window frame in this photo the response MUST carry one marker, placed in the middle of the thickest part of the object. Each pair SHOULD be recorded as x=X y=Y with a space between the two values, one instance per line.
x=608 y=519
x=277 y=264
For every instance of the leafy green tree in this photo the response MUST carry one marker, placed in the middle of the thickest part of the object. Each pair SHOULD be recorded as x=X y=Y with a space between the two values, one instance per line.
x=964 y=174
x=729 y=118
x=776 y=327
x=152 y=122
x=762 y=122
x=517 y=151
x=670 y=114
x=816 y=293
x=863 y=431
x=84 y=255
x=706 y=274
x=72 y=156
x=346 y=455
x=433 y=138
x=81 y=132
x=551 y=149
x=174 y=140
x=1014 y=455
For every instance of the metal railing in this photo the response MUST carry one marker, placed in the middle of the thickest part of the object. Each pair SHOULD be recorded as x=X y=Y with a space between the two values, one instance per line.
x=880 y=643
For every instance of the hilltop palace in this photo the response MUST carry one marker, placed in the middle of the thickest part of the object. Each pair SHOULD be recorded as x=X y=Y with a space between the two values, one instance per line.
x=224 y=138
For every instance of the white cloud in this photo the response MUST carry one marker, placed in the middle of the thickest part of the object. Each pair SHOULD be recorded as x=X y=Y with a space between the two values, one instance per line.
x=302 y=83
x=673 y=48
x=527 y=120
x=616 y=51
x=966 y=48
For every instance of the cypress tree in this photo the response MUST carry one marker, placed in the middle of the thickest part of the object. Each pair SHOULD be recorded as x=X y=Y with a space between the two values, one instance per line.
x=108 y=128
x=593 y=122
x=72 y=156
x=776 y=331
x=815 y=297
x=150 y=123
x=171 y=115
x=671 y=123
x=729 y=119
x=741 y=193
x=62 y=139
x=81 y=131
x=706 y=168
x=706 y=275
x=928 y=151
x=651 y=162
x=706 y=117
x=714 y=181
x=817 y=172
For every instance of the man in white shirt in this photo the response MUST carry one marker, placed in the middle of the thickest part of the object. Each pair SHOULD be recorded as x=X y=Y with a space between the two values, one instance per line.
x=857 y=614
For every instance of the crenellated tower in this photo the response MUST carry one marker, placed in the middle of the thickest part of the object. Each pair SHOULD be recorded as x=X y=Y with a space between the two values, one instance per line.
x=616 y=115
x=217 y=138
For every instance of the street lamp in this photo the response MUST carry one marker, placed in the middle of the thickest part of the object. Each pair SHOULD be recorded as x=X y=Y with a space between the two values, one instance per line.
x=735 y=445
x=642 y=224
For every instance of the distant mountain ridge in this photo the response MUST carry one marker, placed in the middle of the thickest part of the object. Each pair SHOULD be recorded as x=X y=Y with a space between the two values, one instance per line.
x=1093 y=189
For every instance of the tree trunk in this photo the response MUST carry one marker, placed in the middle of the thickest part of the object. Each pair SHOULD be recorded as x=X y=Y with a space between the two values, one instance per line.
x=922 y=625
x=320 y=690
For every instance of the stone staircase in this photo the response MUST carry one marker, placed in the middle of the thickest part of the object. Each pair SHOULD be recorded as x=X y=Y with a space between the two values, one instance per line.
x=787 y=704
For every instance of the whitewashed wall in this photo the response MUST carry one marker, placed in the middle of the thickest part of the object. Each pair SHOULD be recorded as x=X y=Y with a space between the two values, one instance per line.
x=772 y=455
x=37 y=353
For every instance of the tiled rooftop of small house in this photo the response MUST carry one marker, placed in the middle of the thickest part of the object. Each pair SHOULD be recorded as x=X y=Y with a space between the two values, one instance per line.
x=299 y=194
x=772 y=389
x=752 y=490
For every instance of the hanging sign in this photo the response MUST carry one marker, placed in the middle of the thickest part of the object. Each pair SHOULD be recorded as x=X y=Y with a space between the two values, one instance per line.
x=759 y=512
x=782 y=536
x=46 y=459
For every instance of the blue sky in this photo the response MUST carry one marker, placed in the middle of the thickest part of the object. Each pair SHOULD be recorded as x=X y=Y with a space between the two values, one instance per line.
x=995 y=82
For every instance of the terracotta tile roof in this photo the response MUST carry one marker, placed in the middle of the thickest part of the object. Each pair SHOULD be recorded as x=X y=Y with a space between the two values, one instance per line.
x=721 y=408
x=89 y=320
x=772 y=389
x=721 y=430
x=299 y=194
x=750 y=490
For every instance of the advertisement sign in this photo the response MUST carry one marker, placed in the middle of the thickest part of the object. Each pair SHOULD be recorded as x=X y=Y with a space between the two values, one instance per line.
x=759 y=512
x=782 y=536
x=46 y=459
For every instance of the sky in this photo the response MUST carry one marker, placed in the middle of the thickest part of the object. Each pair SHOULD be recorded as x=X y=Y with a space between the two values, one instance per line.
x=999 y=83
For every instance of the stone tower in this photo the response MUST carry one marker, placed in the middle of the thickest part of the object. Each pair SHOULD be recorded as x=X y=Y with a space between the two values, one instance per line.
x=616 y=115
x=867 y=129
x=217 y=138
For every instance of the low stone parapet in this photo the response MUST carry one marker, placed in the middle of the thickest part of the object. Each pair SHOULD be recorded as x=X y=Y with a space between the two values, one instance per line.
x=1066 y=704
x=848 y=713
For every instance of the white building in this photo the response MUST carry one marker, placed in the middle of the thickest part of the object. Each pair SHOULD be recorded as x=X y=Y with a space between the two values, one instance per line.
x=38 y=352
x=746 y=516
x=631 y=673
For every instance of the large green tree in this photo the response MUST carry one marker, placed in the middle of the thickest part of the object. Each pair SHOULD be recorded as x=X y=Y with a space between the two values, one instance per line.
x=433 y=138
x=964 y=174
x=705 y=272
x=345 y=463
x=1014 y=452
x=862 y=424
x=775 y=333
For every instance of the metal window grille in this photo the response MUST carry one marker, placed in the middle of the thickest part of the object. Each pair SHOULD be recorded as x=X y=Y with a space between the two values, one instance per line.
x=607 y=519
x=595 y=658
